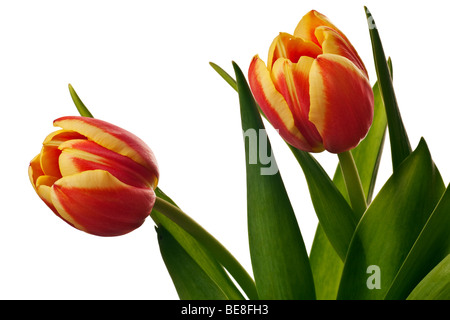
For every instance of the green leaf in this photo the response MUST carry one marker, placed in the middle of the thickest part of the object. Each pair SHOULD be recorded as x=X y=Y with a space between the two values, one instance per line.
x=82 y=109
x=400 y=145
x=390 y=227
x=230 y=81
x=334 y=213
x=201 y=256
x=436 y=285
x=224 y=75
x=189 y=278
x=432 y=246
x=278 y=254
x=326 y=266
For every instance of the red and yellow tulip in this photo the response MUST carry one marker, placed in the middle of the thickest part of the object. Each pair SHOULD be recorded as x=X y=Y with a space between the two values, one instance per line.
x=96 y=176
x=314 y=89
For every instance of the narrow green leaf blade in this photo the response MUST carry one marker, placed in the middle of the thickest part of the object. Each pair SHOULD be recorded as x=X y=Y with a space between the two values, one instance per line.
x=432 y=246
x=224 y=75
x=278 y=254
x=436 y=285
x=390 y=227
x=82 y=109
x=190 y=280
x=197 y=252
x=335 y=215
x=400 y=145
x=326 y=266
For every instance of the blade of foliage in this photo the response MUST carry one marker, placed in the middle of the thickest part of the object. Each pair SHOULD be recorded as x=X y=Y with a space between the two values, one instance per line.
x=224 y=75
x=190 y=280
x=326 y=266
x=84 y=112
x=333 y=211
x=278 y=254
x=432 y=246
x=201 y=255
x=390 y=226
x=436 y=284
x=230 y=81
x=400 y=145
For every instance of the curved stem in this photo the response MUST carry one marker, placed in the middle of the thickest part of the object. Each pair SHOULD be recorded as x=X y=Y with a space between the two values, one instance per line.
x=209 y=242
x=353 y=183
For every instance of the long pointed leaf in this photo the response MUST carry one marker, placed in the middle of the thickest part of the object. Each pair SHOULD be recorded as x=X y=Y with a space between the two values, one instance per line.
x=400 y=145
x=189 y=278
x=436 y=285
x=225 y=75
x=201 y=255
x=326 y=266
x=334 y=213
x=390 y=226
x=278 y=254
x=432 y=246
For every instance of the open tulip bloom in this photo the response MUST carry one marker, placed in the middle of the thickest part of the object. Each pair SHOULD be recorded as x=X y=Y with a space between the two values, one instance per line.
x=315 y=91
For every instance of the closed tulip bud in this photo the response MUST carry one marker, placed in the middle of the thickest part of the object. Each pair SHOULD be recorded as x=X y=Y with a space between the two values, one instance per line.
x=96 y=176
x=314 y=89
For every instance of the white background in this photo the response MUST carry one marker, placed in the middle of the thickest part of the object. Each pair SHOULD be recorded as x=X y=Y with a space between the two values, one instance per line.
x=143 y=65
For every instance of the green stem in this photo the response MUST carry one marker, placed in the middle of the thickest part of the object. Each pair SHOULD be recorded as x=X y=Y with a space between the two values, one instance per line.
x=210 y=243
x=353 y=183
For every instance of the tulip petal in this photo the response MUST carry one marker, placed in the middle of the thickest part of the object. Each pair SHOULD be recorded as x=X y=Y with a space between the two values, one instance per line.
x=332 y=42
x=292 y=48
x=111 y=137
x=50 y=152
x=274 y=105
x=292 y=81
x=43 y=187
x=35 y=170
x=45 y=181
x=98 y=203
x=308 y=24
x=41 y=183
x=84 y=155
x=341 y=102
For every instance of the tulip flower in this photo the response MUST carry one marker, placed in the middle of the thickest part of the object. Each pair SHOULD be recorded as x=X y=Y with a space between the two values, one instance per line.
x=97 y=177
x=314 y=89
